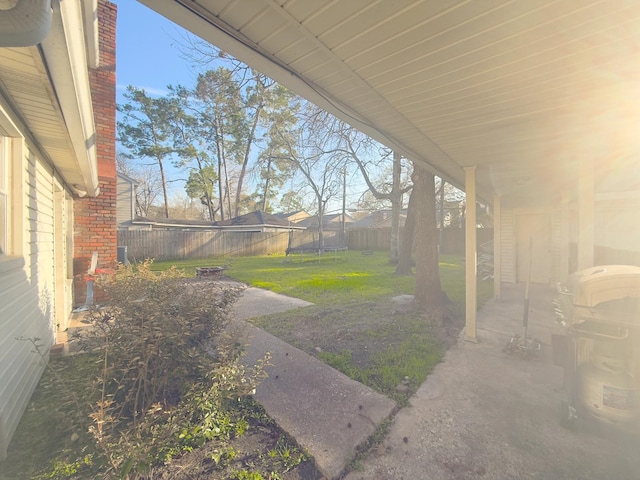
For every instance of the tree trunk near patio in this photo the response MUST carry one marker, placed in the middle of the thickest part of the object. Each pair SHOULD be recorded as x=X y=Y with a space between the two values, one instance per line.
x=396 y=206
x=428 y=292
x=404 y=266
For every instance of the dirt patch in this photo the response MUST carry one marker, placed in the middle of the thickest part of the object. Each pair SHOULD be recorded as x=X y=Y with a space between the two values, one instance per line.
x=263 y=449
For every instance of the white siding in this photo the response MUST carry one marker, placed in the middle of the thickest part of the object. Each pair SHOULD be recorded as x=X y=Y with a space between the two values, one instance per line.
x=508 y=253
x=618 y=225
x=27 y=292
x=124 y=200
x=67 y=218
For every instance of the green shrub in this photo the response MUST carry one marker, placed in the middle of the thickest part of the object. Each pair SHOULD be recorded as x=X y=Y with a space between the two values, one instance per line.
x=165 y=375
x=158 y=331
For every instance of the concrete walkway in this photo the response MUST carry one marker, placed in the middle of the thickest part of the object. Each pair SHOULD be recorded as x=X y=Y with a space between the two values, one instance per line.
x=481 y=414
x=485 y=414
x=325 y=411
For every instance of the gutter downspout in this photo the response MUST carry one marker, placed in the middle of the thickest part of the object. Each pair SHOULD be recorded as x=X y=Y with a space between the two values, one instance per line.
x=65 y=57
x=26 y=24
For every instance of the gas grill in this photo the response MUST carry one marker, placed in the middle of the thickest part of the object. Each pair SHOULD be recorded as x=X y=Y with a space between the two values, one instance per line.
x=599 y=347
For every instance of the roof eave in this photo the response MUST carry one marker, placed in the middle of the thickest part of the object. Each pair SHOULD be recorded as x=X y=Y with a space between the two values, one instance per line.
x=65 y=56
x=195 y=19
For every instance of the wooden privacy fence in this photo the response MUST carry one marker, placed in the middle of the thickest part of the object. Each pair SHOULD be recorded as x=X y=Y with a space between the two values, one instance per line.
x=450 y=240
x=369 y=239
x=174 y=244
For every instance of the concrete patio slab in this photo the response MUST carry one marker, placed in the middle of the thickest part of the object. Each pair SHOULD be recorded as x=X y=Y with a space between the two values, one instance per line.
x=485 y=414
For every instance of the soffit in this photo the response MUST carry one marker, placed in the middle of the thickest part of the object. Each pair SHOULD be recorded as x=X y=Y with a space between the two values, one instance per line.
x=522 y=89
x=27 y=89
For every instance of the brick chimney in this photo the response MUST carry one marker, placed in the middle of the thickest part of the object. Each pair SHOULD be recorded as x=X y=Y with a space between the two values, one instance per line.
x=95 y=227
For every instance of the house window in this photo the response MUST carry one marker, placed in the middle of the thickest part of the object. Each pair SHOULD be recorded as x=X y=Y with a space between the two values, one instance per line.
x=4 y=207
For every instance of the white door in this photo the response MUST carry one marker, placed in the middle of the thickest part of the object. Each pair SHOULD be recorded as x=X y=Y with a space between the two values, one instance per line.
x=534 y=228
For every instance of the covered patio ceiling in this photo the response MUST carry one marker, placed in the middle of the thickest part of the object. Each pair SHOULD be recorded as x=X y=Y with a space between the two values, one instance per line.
x=522 y=89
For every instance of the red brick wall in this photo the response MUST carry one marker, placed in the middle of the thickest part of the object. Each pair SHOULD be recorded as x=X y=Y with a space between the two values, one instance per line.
x=95 y=227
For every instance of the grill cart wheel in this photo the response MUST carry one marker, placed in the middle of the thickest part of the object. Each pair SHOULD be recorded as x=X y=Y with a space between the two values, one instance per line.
x=568 y=415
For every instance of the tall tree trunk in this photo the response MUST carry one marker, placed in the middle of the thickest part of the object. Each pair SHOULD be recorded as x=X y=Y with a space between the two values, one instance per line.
x=164 y=188
x=407 y=237
x=245 y=160
x=343 y=233
x=396 y=206
x=441 y=192
x=222 y=159
x=266 y=185
x=227 y=189
x=219 y=153
x=321 y=209
x=207 y=199
x=220 y=189
x=394 y=196
x=428 y=291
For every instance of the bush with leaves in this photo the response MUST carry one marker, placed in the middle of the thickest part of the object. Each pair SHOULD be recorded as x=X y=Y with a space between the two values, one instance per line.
x=166 y=370
x=160 y=332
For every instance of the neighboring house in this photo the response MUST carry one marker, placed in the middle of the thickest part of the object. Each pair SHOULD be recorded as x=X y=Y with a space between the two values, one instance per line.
x=332 y=231
x=257 y=222
x=294 y=217
x=331 y=222
x=380 y=219
x=250 y=222
x=57 y=178
x=125 y=198
x=177 y=224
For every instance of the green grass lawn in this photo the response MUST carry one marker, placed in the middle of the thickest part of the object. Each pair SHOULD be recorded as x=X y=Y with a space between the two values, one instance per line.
x=354 y=326
x=333 y=280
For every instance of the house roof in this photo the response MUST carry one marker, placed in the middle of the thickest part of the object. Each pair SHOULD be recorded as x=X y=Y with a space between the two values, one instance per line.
x=127 y=178
x=255 y=219
x=378 y=219
x=296 y=213
x=330 y=219
x=522 y=91
x=171 y=222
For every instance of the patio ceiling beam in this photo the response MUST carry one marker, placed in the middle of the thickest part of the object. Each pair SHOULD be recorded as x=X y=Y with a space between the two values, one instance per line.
x=470 y=223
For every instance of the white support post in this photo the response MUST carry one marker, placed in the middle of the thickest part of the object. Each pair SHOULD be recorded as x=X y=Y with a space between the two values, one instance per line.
x=497 y=247
x=470 y=255
x=565 y=238
x=586 y=215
